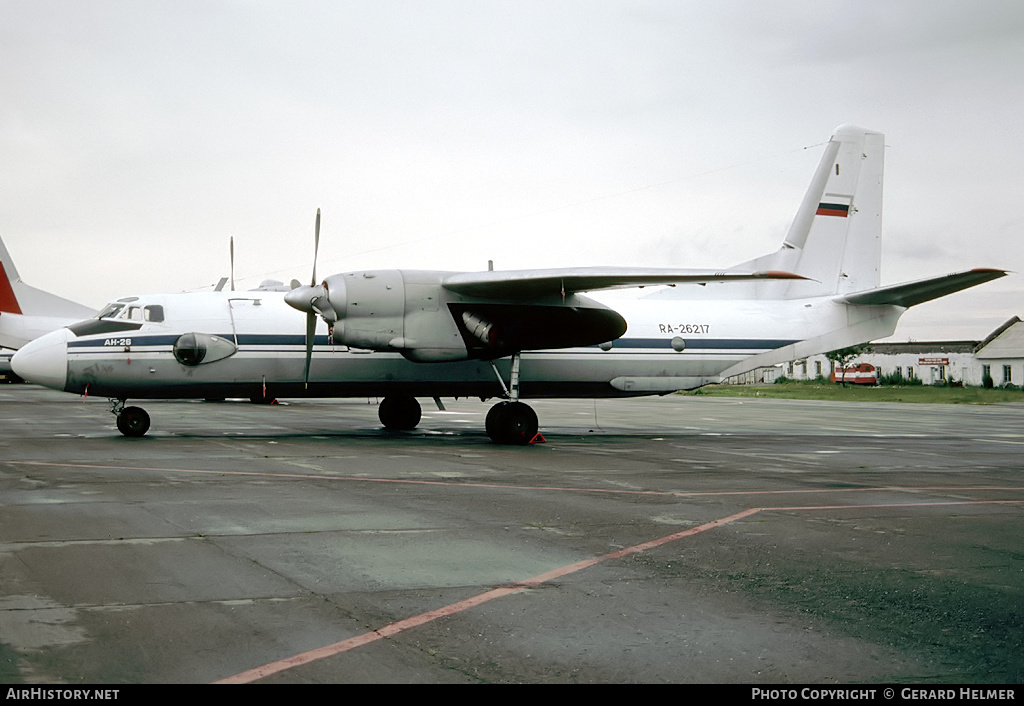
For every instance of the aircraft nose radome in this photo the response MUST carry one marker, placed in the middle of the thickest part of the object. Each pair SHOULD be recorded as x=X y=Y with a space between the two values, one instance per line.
x=44 y=361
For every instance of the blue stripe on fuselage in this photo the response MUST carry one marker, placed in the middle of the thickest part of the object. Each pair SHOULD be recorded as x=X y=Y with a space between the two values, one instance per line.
x=268 y=339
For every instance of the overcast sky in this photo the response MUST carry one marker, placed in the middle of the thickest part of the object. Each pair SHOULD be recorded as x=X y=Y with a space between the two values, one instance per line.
x=137 y=137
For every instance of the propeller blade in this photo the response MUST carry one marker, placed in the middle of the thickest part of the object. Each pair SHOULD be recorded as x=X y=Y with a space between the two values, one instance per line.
x=316 y=246
x=232 y=242
x=322 y=306
x=312 y=300
x=310 y=335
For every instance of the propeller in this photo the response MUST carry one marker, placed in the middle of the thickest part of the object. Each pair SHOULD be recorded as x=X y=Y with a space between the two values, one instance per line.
x=313 y=300
x=311 y=315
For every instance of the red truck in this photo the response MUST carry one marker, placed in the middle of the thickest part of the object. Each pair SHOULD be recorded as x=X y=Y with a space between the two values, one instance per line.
x=862 y=374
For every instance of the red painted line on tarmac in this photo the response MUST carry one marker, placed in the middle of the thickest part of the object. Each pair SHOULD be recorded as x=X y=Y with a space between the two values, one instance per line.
x=460 y=606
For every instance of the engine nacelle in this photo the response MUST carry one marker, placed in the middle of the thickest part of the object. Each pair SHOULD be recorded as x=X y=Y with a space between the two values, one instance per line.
x=395 y=310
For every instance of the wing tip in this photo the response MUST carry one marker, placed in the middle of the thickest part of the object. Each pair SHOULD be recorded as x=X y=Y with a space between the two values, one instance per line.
x=778 y=274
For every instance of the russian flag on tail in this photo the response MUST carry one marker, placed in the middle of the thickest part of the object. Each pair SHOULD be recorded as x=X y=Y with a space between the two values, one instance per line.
x=833 y=209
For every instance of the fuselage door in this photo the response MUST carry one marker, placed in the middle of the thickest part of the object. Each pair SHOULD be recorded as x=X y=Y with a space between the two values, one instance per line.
x=241 y=307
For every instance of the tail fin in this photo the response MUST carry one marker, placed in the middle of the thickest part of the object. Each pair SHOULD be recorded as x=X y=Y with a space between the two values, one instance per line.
x=16 y=297
x=8 y=274
x=27 y=312
x=835 y=238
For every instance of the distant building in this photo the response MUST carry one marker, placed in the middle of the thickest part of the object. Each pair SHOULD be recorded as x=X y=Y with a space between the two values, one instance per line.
x=1000 y=355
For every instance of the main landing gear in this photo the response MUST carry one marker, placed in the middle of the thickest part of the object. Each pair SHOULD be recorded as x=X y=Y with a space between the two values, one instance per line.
x=507 y=422
x=399 y=412
x=511 y=421
x=131 y=421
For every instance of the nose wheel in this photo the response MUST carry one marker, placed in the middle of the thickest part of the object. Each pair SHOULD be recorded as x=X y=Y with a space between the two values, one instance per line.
x=131 y=421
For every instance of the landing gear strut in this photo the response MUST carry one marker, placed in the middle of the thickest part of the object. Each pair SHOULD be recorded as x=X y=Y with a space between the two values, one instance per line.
x=511 y=421
x=131 y=421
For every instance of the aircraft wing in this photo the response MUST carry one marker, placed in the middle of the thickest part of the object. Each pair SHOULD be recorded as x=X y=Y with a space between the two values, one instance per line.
x=910 y=293
x=531 y=283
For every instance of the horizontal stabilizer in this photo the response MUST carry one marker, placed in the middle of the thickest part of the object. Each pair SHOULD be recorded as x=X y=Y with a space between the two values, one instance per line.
x=910 y=293
x=532 y=283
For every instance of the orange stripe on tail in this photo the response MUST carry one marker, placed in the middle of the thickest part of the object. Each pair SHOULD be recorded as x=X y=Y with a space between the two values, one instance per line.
x=8 y=302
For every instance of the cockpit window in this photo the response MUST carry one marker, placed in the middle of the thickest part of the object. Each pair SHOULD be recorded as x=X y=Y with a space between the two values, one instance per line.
x=153 y=313
x=110 y=311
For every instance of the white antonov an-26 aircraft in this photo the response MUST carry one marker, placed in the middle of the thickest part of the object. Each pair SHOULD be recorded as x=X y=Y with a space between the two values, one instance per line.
x=402 y=334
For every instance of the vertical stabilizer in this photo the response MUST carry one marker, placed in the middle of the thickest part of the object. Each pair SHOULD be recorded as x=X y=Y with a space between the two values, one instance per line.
x=16 y=297
x=27 y=312
x=8 y=275
x=835 y=238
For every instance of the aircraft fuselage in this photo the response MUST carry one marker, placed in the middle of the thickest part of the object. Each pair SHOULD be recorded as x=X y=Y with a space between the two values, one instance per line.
x=668 y=345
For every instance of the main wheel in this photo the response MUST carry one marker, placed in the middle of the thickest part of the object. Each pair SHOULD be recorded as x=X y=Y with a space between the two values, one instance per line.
x=133 y=421
x=399 y=412
x=511 y=423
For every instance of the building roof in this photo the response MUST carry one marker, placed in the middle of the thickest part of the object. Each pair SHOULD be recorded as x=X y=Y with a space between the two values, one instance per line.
x=923 y=347
x=1007 y=341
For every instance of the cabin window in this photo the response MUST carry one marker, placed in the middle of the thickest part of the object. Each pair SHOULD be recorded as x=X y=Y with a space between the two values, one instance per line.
x=154 y=313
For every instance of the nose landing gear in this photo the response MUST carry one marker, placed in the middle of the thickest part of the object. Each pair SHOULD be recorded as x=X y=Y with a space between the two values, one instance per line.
x=131 y=421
